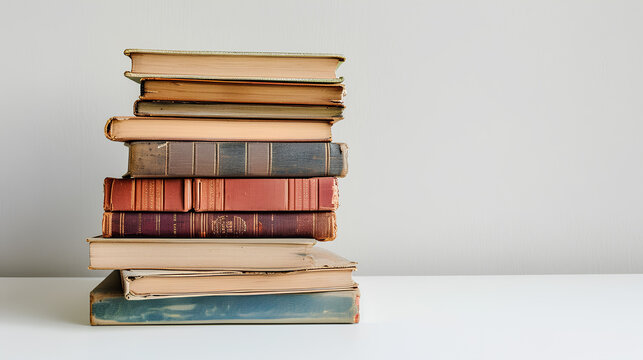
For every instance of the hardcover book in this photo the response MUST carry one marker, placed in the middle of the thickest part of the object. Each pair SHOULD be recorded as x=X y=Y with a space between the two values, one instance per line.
x=236 y=159
x=242 y=92
x=108 y=306
x=329 y=272
x=123 y=128
x=201 y=254
x=318 y=225
x=261 y=66
x=237 y=110
x=147 y=194
x=314 y=194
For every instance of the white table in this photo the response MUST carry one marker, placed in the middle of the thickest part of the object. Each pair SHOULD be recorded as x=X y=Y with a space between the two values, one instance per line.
x=447 y=317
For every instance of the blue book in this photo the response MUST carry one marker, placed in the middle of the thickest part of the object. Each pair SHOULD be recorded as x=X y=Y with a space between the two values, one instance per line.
x=108 y=306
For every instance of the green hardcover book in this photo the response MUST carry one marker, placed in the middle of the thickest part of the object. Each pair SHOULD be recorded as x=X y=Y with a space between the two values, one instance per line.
x=108 y=306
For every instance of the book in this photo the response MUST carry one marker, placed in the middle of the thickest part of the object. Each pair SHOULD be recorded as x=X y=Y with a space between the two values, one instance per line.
x=236 y=159
x=123 y=128
x=200 y=254
x=273 y=66
x=317 y=225
x=108 y=306
x=181 y=195
x=313 y=194
x=242 y=92
x=147 y=194
x=237 y=110
x=329 y=272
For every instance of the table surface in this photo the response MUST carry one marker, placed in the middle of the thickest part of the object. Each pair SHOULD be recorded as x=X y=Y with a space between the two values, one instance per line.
x=440 y=317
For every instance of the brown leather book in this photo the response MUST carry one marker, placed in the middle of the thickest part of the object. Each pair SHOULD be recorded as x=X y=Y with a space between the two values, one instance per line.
x=147 y=194
x=242 y=92
x=316 y=225
x=314 y=194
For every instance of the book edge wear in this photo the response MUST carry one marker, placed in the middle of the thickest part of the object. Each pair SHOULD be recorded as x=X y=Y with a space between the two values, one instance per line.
x=108 y=306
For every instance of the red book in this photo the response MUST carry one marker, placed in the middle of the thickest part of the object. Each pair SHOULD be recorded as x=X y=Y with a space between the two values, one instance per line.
x=317 y=225
x=314 y=194
x=147 y=195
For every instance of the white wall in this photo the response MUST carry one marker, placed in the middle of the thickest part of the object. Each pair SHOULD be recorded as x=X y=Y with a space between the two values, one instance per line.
x=495 y=137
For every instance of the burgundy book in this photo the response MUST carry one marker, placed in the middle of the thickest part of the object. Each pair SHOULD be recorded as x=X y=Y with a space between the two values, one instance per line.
x=317 y=225
x=314 y=194
x=147 y=194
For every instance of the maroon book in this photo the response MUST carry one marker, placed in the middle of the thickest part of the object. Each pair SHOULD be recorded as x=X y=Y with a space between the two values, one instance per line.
x=318 y=225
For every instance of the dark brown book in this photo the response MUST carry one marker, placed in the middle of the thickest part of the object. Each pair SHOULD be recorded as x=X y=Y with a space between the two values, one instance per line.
x=316 y=225
x=237 y=110
x=314 y=194
x=236 y=159
x=147 y=194
x=242 y=92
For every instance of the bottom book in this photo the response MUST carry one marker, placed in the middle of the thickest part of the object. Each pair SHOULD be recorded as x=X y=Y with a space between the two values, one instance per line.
x=108 y=306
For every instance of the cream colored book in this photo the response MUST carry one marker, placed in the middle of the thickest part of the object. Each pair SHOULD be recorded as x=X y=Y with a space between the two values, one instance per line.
x=207 y=129
x=223 y=65
x=200 y=254
x=328 y=272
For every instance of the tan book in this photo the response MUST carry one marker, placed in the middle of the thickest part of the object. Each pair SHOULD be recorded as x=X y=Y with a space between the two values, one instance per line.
x=242 y=92
x=262 y=66
x=237 y=110
x=329 y=272
x=200 y=254
x=206 y=129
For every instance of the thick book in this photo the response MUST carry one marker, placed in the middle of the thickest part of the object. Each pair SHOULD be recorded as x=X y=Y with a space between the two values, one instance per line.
x=319 y=225
x=260 y=66
x=329 y=272
x=124 y=128
x=147 y=194
x=242 y=92
x=236 y=159
x=313 y=194
x=200 y=254
x=237 y=110
x=108 y=306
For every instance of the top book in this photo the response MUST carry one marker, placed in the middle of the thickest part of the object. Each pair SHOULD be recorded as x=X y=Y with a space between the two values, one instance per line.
x=217 y=65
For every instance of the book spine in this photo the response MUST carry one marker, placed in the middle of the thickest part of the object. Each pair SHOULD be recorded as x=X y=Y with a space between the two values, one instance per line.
x=317 y=225
x=313 y=194
x=308 y=308
x=147 y=194
x=236 y=159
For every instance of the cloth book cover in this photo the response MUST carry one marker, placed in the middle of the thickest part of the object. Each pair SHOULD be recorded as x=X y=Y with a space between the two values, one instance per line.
x=236 y=159
x=108 y=306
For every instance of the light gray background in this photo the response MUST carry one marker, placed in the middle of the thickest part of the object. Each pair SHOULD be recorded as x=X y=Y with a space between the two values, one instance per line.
x=495 y=137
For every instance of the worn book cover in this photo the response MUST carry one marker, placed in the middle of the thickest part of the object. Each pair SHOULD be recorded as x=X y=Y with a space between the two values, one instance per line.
x=237 y=110
x=327 y=272
x=147 y=194
x=108 y=306
x=313 y=194
x=318 y=225
x=236 y=159
x=242 y=92
x=133 y=128
x=231 y=65
x=267 y=254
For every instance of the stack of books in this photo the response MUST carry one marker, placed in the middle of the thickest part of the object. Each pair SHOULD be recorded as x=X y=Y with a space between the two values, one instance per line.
x=231 y=182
